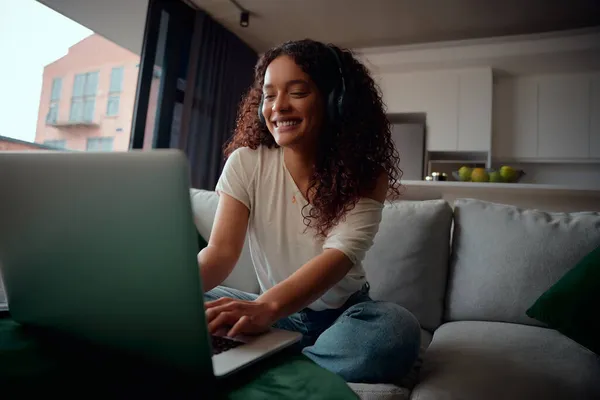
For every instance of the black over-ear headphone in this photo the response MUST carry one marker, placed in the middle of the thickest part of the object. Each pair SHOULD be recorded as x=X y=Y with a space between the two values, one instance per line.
x=335 y=100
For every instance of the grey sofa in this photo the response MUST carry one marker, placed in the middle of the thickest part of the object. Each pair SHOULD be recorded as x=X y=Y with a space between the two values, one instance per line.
x=469 y=271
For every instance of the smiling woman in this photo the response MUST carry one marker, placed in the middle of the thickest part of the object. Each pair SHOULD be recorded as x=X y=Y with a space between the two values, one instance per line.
x=308 y=170
x=320 y=86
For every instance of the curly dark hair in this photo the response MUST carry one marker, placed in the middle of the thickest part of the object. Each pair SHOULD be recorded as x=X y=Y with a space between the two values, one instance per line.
x=352 y=152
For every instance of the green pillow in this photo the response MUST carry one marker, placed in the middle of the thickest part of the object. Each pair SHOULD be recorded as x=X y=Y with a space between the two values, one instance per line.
x=571 y=305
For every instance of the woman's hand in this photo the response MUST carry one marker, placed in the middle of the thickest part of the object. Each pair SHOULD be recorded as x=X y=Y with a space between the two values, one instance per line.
x=244 y=317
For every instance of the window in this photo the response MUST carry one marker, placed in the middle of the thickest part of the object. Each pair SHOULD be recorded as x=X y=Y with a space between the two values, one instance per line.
x=99 y=144
x=52 y=116
x=56 y=88
x=116 y=80
x=83 y=100
x=112 y=108
x=56 y=143
x=114 y=95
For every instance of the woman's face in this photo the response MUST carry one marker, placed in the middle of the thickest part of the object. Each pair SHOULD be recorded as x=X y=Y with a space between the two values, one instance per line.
x=292 y=106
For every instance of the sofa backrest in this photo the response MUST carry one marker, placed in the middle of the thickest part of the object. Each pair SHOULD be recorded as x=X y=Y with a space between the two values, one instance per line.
x=504 y=258
x=204 y=206
x=408 y=262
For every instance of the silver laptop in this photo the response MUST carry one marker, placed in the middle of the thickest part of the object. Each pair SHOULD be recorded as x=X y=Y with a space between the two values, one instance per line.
x=102 y=247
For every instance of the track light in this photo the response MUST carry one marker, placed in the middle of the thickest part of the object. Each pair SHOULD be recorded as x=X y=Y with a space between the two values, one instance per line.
x=244 y=14
x=244 y=19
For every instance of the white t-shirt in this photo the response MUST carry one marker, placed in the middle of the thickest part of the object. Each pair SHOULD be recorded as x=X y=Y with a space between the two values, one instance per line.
x=279 y=241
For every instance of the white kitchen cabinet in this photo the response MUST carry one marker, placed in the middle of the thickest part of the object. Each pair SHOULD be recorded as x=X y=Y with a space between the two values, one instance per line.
x=595 y=118
x=441 y=92
x=432 y=93
x=475 y=110
x=564 y=116
x=515 y=109
x=457 y=105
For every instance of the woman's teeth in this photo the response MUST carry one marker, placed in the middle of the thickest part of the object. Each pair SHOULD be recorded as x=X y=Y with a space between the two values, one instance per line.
x=287 y=123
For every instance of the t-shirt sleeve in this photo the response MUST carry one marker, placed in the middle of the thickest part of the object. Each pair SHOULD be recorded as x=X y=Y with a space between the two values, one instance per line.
x=355 y=234
x=237 y=175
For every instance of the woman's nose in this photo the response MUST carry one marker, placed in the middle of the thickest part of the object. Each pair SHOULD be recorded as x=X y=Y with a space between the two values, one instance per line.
x=281 y=103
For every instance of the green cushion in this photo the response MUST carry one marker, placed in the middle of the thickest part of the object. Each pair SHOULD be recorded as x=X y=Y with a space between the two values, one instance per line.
x=297 y=378
x=571 y=305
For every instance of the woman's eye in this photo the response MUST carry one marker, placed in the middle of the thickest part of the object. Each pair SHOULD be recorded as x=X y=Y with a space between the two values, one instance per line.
x=269 y=97
x=299 y=94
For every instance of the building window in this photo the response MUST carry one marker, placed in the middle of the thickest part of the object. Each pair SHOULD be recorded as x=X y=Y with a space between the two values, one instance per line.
x=112 y=108
x=59 y=144
x=52 y=116
x=83 y=100
x=114 y=92
x=99 y=144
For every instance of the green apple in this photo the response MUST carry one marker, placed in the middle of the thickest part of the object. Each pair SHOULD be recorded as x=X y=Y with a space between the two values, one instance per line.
x=508 y=173
x=496 y=177
x=464 y=173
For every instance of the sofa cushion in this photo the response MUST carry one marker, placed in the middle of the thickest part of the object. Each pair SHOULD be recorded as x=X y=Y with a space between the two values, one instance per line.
x=505 y=257
x=495 y=360
x=379 y=391
x=204 y=206
x=408 y=262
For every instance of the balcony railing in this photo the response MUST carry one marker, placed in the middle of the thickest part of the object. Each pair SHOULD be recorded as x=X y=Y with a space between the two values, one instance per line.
x=74 y=124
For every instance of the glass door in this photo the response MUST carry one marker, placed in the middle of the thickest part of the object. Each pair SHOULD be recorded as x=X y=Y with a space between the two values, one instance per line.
x=164 y=67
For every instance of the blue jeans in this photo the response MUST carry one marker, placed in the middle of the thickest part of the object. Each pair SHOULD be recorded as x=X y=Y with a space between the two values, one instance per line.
x=362 y=341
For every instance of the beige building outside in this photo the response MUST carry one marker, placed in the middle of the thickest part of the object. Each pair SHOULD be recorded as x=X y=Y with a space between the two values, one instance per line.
x=88 y=96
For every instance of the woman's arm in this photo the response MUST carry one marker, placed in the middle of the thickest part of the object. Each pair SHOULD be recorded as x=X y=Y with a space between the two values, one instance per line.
x=302 y=288
x=308 y=283
x=318 y=275
x=218 y=259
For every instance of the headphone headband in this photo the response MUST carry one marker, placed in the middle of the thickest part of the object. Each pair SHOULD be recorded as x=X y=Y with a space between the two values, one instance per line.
x=339 y=65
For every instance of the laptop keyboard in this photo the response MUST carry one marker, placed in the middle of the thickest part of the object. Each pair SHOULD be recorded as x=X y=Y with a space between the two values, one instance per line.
x=221 y=344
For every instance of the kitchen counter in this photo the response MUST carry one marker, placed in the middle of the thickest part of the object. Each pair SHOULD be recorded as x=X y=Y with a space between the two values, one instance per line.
x=556 y=198
x=523 y=188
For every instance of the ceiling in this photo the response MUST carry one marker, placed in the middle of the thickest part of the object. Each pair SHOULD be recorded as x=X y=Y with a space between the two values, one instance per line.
x=375 y=23
x=121 y=21
x=381 y=29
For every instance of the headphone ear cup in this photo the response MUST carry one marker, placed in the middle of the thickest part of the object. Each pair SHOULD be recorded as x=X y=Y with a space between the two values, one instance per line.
x=332 y=105
x=336 y=102
x=261 y=117
x=340 y=104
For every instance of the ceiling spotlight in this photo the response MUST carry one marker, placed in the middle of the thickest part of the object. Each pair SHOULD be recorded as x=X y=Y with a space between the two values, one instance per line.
x=244 y=19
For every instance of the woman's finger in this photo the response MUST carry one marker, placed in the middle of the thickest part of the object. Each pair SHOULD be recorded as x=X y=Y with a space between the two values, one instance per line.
x=235 y=305
x=243 y=325
x=218 y=302
x=224 y=319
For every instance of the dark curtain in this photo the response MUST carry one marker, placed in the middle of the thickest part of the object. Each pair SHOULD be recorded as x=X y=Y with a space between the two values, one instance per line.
x=225 y=70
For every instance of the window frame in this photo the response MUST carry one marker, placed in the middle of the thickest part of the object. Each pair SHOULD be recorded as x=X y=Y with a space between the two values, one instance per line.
x=100 y=139
x=113 y=101
x=52 y=143
x=54 y=106
x=84 y=97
